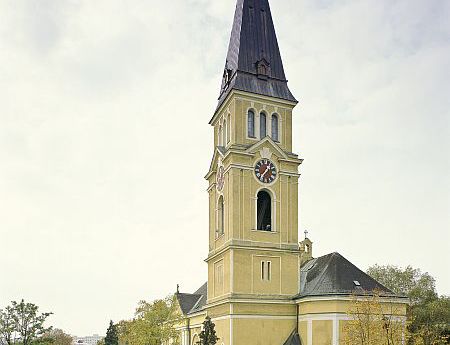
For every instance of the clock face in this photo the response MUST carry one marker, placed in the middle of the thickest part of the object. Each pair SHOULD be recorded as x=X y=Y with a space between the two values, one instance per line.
x=220 y=178
x=265 y=171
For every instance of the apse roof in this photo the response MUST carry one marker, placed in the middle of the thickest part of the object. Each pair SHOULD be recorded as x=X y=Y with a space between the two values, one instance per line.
x=254 y=61
x=332 y=274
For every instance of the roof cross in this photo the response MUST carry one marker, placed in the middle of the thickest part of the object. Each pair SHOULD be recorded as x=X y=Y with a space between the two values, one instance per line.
x=306 y=233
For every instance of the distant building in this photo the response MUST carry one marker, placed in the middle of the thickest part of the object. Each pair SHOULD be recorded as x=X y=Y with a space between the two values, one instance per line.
x=89 y=340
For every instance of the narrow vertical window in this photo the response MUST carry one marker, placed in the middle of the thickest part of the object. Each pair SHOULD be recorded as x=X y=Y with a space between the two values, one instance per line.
x=275 y=127
x=266 y=270
x=228 y=129
x=225 y=134
x=221 y=217
x=263 y=270
x=251 y=124
x=219 y=138
x=264 y=211
x=262 y=126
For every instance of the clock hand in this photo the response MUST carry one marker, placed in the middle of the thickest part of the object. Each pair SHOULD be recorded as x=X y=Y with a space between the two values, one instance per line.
x=265 y=172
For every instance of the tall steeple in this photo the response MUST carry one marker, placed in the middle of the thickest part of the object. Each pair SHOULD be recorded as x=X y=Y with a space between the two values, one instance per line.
x=254 y=61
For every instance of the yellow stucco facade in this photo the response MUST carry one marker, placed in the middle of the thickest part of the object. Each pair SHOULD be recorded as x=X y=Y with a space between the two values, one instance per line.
x=246 y=307
x=258 y=290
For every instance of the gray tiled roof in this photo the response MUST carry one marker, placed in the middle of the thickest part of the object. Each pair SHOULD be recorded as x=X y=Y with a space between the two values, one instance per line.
x=253 y=39
x=191 y=302
x=333 y=274
x=294 y=339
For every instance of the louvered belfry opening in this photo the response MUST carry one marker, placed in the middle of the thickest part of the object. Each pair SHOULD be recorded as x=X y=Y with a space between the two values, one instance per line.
x=264 y=211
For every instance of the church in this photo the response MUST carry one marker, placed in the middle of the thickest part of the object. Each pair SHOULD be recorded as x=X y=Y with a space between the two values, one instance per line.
x=264 y=287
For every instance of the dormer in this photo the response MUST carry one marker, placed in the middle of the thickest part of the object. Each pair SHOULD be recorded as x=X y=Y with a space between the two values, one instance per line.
x=263 y=69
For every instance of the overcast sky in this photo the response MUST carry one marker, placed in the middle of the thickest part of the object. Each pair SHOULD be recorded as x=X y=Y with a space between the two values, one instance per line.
x=104 y=142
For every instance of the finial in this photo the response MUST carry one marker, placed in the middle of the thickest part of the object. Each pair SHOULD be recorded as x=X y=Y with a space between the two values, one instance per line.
x=178 y=288
x=306 y=234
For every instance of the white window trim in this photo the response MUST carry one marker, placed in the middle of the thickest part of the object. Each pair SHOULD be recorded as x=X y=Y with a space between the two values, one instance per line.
x=279 y=127
x=266 y=271
x=219 y=234
x=228 y=136
x=272 y=194
x=255 y=137
x=268 y=126
x=220 y=135
x=224 y=133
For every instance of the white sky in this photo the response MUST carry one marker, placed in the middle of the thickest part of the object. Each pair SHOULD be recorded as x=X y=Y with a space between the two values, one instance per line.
x=104 y=105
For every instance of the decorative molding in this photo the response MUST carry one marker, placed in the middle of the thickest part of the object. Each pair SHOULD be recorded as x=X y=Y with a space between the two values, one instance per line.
x=251 y=97
x=255 y=248
x=227 y=300
x=265 y=153
x=347 y=297
x=254 y=316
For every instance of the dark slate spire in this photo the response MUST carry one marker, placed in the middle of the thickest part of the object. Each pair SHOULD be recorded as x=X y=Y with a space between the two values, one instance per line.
x=254 y=61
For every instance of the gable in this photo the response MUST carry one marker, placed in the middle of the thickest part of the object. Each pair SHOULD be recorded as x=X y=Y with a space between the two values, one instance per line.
x=267 y=143
x=218 y=155
x=191 y=302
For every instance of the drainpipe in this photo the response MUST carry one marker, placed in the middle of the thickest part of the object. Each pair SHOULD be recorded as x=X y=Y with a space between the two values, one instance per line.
x=189 y=331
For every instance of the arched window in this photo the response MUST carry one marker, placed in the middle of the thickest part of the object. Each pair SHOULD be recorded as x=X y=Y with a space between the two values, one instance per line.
x=221 y=217
x=264 y=211
x=219 y=139
x=262 y=126
x=225 y=135
x=228 y=129
x=251 y=124
x=275 y=127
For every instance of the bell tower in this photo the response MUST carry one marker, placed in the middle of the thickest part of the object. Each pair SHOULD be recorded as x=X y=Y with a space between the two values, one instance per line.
x=253 y=177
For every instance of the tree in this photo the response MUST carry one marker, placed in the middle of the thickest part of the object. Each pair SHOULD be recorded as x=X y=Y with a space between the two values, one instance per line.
x=428 y=314
x=55 y=336
x=58 y=337
x=151 y=325
x=373 y=322
x=431 y=322
x=111 y=335
x=208 y=334
x=21 y=322
x=7 y=326
x=419 y=287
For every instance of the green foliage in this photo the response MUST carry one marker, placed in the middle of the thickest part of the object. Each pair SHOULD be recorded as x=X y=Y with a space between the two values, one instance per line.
x=151 y=324
x=431 y=322
x=419 y=287
x=22 y=323
x=428 y=314
x=112 y=337
x=55 y=336
x=208 y=335
x=7 y=326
